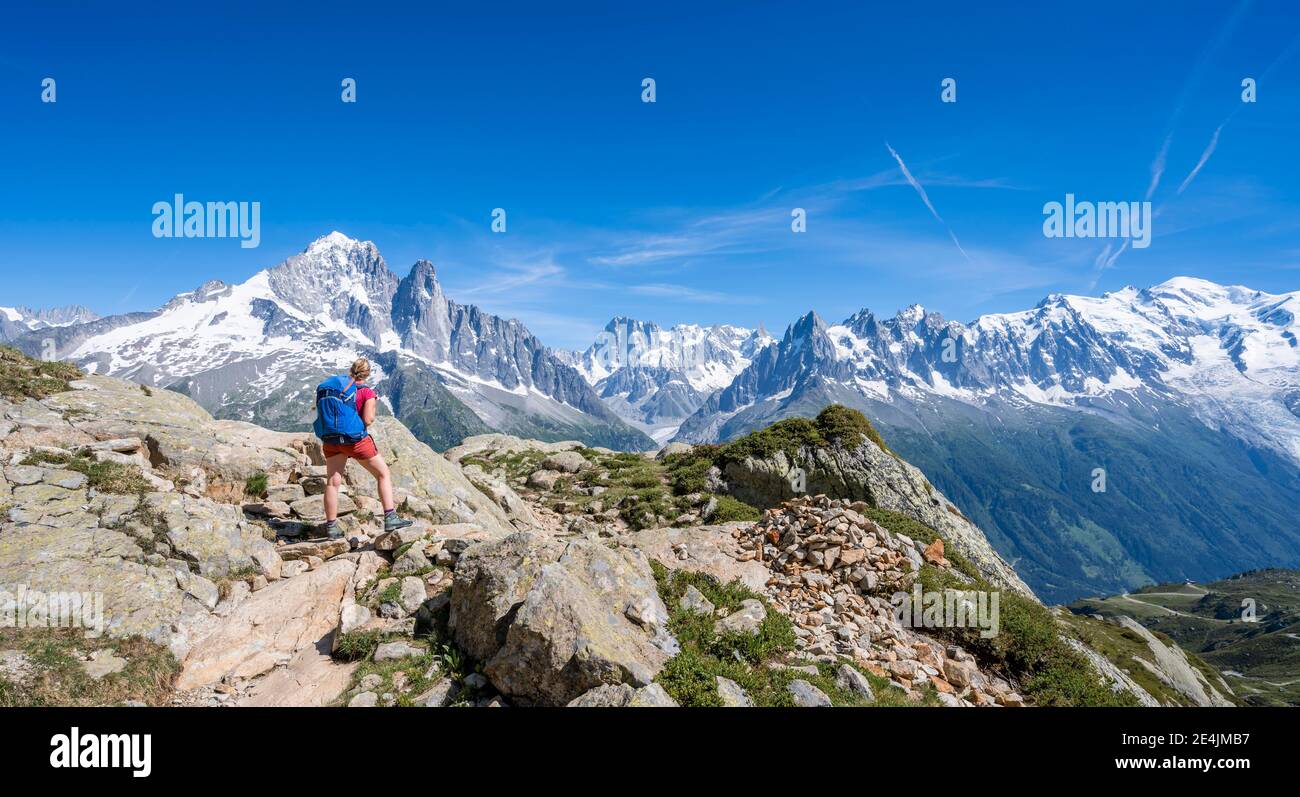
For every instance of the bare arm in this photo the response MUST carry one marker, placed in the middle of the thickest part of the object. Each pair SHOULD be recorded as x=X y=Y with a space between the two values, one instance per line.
x=368 y=412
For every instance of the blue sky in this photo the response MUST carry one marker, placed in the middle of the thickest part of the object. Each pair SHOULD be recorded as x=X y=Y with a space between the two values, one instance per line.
x=673 y=211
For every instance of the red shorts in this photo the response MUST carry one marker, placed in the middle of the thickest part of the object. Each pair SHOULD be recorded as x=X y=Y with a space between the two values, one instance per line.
x=362 y=450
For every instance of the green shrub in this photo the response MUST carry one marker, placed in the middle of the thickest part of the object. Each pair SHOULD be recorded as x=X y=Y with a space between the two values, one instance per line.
x=358 y=645
x=730 y=509
x=786 y=436
x=688 y=473
x=642 y=508
x=255 y=485
x=1029 y=647
x=839 y=424
x=834 y=425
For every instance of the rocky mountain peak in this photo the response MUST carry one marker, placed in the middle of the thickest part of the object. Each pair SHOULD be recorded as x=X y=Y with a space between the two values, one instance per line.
x=62 y=316
x=345 y=280
x=808 y=325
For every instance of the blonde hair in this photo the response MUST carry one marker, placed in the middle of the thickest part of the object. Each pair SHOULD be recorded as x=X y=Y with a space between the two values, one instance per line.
x=360 y=369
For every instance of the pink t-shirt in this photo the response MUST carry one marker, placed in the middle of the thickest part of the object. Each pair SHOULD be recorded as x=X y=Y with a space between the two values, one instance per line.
x=364 y=394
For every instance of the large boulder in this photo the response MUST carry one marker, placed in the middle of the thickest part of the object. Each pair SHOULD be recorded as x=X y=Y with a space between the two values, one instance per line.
x=492 y=579
x=503 y=495
x=574 y=617
x=713 y=550
x=565 y=462
x=181 y=436
x=496 y=443
x=269 y=628
x=137 y=599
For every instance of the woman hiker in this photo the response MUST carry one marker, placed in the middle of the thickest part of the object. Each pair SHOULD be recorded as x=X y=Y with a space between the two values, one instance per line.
x=345 y=409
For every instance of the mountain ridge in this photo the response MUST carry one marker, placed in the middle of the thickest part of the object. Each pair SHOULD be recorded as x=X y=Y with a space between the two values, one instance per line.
x=282 y=328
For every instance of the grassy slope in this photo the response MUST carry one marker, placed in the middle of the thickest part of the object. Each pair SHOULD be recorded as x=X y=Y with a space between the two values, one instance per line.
x=1208 y=622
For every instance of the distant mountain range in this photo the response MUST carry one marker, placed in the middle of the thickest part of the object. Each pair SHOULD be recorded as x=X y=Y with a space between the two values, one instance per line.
x=1103 y=443
x=654 y=378
x=255 y=351
x=16 y=321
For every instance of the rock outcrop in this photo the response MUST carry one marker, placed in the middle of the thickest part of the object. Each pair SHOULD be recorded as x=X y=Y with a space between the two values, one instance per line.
x=553 y=621
x=140 y=499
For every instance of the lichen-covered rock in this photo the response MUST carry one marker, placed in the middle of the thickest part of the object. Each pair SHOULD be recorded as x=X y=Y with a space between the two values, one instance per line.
x=492 y=578
x=180 y=435
x=623 y=696
x=565 y=462
x=591 y=617
x=731 y=694
x=745 y=620
x=712 y=550
x=42 y=503
x=496 y=443
x=503 y=495
x=269 y=628
x=805 y=695
x=215 y=537
x=138 y=599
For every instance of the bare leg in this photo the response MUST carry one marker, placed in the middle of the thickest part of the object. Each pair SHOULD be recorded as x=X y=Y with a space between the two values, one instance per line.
x=335 y=466
x=379 y=469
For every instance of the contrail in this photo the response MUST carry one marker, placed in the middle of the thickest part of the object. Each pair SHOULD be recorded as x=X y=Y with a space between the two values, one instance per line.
x=907 y=175
x=1205 y=156
x=1158 y=165
x=1214 y=139
x=1189 y=85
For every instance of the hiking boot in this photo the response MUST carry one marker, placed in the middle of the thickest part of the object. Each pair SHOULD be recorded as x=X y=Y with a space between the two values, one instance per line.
x=393 y=522
x=330 y=531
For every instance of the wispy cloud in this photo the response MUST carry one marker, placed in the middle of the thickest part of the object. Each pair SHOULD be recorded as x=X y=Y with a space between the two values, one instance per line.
x=687 y=294
x=912 y=181
x=749 y=230
x=511 y=277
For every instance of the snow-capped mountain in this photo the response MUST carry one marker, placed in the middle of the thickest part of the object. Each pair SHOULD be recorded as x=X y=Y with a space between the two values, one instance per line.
x=256 y=350
x=1185 y=397
x=654 y=377
x=1228 y=353
x=16 y=321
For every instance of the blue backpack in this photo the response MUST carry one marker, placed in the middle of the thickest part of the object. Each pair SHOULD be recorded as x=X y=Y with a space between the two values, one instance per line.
x=337 y=421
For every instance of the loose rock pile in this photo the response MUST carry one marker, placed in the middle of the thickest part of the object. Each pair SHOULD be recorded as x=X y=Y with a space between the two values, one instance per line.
x=833 y=571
